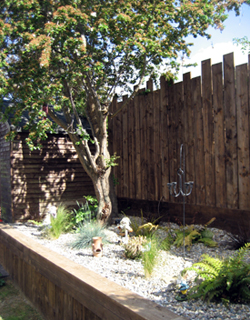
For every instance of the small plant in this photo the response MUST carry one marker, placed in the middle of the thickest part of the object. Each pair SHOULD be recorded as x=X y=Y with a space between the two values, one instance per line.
x=191 y=235
x=149 y=256
x=242 y=237
x=87 y=231
x=144 y=229
x=134 y=247
x=85 y=212
x=59 y=224
x=226 y=280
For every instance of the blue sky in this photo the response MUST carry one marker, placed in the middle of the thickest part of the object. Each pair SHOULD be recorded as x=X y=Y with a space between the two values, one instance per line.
x=220 y=43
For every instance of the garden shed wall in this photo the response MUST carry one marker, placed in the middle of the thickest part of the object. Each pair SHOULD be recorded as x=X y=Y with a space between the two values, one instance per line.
x=33 y=180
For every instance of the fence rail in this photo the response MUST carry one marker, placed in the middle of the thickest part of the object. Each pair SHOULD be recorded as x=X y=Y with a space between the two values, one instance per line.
x=209 y=115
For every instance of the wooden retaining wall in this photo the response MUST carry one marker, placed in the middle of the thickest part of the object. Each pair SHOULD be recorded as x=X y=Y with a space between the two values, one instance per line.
x=63 y=290
x=52 y=175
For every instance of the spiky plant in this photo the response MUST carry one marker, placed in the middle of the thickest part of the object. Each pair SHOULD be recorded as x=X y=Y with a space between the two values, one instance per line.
x=133 y=249
x=59 y=223
x=226 y=280
x=149 y=256
x=87 y=231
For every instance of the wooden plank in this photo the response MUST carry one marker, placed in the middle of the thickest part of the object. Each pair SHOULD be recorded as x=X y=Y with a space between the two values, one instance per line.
x=131 y=148
x=208 y=130
x=143 y=145
x=188 y=132
x=231 y=132
x=157 y=147
x=219 y=136
x=173 y=165
x=243 y=135
x=138 y=186
x=67 y=307
x=150 y=141
x=199 y=184
x=164 y=138
x=78 y=311
x=125 y=148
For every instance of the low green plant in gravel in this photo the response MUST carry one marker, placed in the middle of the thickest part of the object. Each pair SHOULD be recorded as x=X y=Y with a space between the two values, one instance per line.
x=149 y=256
x=134 y=247
x=60 y=223
x=226 y=280
x=190 y=234
x=87 y=231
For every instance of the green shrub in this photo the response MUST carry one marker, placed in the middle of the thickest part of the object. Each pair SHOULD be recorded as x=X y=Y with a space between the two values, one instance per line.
x=84 y=212
x=143 y=229
x=87 y=231
x=60 y=223
x=226 y=280
x=133 y=249
x=149 y=256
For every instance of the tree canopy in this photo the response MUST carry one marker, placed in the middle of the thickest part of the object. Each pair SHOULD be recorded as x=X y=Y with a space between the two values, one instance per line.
x=73 y=55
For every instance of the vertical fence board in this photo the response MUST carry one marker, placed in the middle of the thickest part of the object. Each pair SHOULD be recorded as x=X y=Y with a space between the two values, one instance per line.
x=131 y=156
x=219 y=144
x=150 y=139
x=157 y=149
x=208 y=132
x=231 y=132
x=164 y=139
x=125 y=148
x=199 y=183
x=144 y=146
x=243 y=135
x=188 y=122
x=172 y=139
x=137 y=100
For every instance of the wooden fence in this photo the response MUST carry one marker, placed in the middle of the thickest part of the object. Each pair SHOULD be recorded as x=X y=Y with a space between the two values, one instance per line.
x=210 y=116
x=63 y=290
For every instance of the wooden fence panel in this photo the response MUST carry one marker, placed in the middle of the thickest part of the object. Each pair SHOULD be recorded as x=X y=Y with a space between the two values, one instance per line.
x=188 y=115
x=172 y=140
x=157 y=149
x=138 y=186
x=231 y=132
x=131 y=149
x=144 y=147
x=150 y=141
x=208 y=132
x=125 y=148
x=211 y=118
x=219 y=136
x=199 y=182
x=243 y=135
x=164 y=139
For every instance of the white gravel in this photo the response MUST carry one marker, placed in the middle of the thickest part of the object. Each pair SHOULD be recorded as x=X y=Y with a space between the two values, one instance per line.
x=161 y=286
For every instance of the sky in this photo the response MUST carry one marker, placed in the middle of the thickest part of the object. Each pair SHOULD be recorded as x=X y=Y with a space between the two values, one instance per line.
x=220 y=43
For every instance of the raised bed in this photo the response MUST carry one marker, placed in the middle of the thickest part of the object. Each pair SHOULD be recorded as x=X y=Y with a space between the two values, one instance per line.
x=61 y=289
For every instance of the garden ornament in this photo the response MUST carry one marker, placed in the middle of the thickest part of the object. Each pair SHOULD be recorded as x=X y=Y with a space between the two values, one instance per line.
x=185 y=188
x=125 y=226
x=97 y=246
x=182 y=291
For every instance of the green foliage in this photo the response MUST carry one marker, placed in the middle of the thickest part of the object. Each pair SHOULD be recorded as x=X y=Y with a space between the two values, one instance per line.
x=2 y=281
x=111 y=162
x=134 y=247
x=87 y=231
x=226 y=280
x=140 y=228
x=85 y=212
x=37 y=223
x=190 y=235
x=244 y=43
x=59 y=224
x=149 y=256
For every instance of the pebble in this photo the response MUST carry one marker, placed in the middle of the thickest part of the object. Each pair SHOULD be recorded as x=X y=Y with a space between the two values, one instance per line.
x=161 y=286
